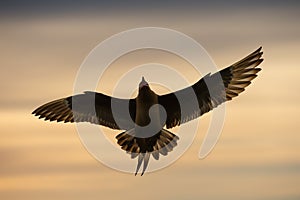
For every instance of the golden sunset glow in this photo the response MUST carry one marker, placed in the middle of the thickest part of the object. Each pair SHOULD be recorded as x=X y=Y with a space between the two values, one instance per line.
x=256 y=157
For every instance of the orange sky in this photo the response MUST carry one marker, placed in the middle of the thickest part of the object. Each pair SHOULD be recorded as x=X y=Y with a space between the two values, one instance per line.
x=257 y=156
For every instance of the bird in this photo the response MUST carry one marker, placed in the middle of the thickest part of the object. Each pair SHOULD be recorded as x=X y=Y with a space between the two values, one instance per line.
x=139 y=138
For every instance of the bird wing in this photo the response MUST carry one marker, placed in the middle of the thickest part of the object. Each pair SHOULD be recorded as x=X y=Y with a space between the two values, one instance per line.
x=210 y=91
x=90 y=107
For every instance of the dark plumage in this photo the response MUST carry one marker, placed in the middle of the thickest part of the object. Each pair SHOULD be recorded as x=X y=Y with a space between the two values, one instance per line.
x=181 y=106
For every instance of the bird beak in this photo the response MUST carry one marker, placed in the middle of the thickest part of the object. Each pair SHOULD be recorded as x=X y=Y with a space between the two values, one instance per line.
x=143 y=83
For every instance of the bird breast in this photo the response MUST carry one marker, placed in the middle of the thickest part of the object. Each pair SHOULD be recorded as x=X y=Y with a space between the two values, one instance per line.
x=144 y=101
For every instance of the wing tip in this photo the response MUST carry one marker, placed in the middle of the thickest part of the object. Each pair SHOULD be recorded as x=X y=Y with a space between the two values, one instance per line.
x=260 y=48
x=52 y=111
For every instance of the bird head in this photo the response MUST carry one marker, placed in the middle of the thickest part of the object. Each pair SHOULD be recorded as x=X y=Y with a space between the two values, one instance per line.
x=143 y=83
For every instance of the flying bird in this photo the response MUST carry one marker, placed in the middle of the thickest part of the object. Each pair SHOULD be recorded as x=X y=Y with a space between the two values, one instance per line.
x=145 y=125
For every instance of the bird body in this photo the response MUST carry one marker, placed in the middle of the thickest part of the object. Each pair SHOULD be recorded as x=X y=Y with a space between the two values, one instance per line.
x=144 y=101
x=149 y=112
x=153 y=139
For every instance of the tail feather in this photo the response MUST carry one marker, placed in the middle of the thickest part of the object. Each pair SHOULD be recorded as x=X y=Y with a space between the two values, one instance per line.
x=155 y=153
x=140 y=160
x=146 y=161
x=160 y=143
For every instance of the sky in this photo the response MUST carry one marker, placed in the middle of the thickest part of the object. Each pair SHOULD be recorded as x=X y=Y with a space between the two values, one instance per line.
x=43 y=45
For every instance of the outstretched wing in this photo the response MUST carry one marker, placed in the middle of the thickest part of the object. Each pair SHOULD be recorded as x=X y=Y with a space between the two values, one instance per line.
x=91 y=107
x=210 y=91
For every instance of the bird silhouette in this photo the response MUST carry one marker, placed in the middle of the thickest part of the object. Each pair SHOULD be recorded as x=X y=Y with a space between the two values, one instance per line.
x=142 y=120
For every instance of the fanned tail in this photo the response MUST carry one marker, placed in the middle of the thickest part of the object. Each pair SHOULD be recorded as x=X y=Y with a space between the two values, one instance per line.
x=160 y=143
